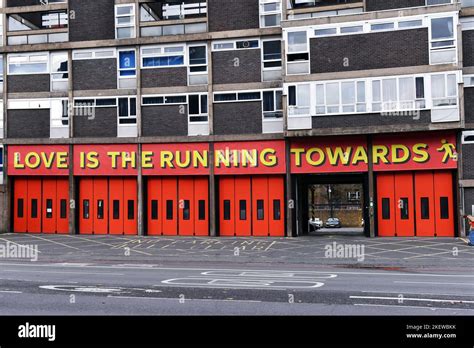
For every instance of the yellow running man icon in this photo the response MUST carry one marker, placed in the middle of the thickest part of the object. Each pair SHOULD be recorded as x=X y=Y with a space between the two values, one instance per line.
x=449 y=151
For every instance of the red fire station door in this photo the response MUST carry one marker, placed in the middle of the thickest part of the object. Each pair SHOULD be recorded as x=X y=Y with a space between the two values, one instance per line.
x=34 y=205
x=55 y=206
x=154 y=207
x=425 y=204
x=243 y=207
x=444 y=204
x=20 y=206
x=386 y=205
x=405 y=214
x=260 y=206
x=169 y=207
x=226 y=206
x=201 y=205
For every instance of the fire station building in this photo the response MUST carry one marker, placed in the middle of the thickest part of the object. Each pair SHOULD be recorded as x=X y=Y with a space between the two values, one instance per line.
x=247 y=118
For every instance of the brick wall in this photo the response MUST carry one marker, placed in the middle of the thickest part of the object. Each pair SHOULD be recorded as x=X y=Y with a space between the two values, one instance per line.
x=104 y=124
x=164 y=121
x=238 y=118
x=172 y=77
x=95 y=74
x=29 y=83
x=370 y=51
x=233 y=14
x=469 y=104
x=378 y=5
x=25 y=124
x=94 y=20
x=468 y=47
x=249 y=67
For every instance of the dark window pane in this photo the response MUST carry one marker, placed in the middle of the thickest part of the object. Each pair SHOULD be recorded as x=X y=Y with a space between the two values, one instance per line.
x=420 y=88
x=227 y=210
x=243 y=210
x=133 y=106
x=86 y=209
x=268 y=101
x=276 y=209
x=169 y=210
x=203 y=104
x=202 y=210
x=49 y=209
x=63 y=209
x=272 y=50
x=116 y=207
x=100 y=209
x=131 y=209
x=154 y=210
x=194 y=104
x=186 y=210
x=21 y=208
x=197 y=55
x=249 y=96
x=444 y=205
x=386 y=208
x=404 y=209
x=34 y=208
x=123 y=107
x=292 y=96
x=225 y=97
x=247 y=44
x=260 y=210
x=425 y=208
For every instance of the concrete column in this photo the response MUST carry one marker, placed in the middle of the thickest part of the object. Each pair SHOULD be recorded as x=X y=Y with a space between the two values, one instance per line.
x=141 y=212
x=371 y=189
x=73 y=200
x=6 y=214
x=212 y=195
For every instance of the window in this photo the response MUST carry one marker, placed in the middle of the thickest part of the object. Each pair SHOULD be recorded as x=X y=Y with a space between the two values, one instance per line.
x=59 y=71
x=94 y=54
x=169 y=210
x=437 y=2
x=26 y=64
x=125 y=21
x=20 y=208
x=425 y=208
x=163 y=57
x=272 y=54
x=63 y=209
x=443 y=44
x=468 y=137
x=382 y=26
x=127 y=69
x=404 y=215
x=154 y=210
x=202 y=210
x=276 y=210
x=227 y=210
x=86 y=209
x=270 y=13
x=297 y=42
x=403 y=93
x=161 y=100
x=340 y=97
x=100 y=209
x=410 y=24
x=299 y=97
x=198 y=108
x=116 y=209
x=243 y=210
x=386 y=208
x=260 y=210
x=236 y=45
x=197 y=69
x=272 y=105
x=298 y=53
x=127 y=111
x=444 y=207
x=325 y=32
x=186 y=210
x=352 y=29
x=444 y=90
x=130 y=209
x=241 y=96
x=127 y=64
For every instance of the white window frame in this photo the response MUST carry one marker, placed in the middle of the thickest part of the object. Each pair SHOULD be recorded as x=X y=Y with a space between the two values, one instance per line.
x=275 y=106
x=271 y=60
x=119 y=70
x=468 y=80
x=466 y=134
x=264 y=14
x=201 y=114
x=190 y=66
x=299 y=110
x=454 y=39
x=53 y=73
x=306 y=51
x=163 y=53
x=131 y=25
x=233 y=43
x=446 y=87
x=28 y=59
x=164 y=96
x=237 y=100
x=101 y=53
x=130 y=116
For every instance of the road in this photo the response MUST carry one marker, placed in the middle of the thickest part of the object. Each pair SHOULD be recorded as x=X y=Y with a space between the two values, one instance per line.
x=150 y=289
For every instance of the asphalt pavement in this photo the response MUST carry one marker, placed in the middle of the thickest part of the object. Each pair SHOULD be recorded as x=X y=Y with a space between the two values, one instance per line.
x=76 y=275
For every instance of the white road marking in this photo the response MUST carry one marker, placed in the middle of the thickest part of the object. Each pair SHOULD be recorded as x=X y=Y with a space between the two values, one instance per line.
x=10 y=292
x=411 y=293
x=111 y=245
x=434 y=283
x=243 y=283
x=54 y=242
x=59 y=272
x=419 y=307
x=177 y=299
x=411 y=299
x=272 y=274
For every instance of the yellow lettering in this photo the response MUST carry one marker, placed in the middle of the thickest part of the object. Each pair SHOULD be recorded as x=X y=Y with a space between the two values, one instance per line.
x=147 y=160
x=420 y=150
x=298 y=153
x=167 y=159
x=114 y=156
x=339 y=154
x=309 y=157
x=379 y=153
x=249 y=158
x=129 y=157
x=400 y=159
x=35 y=157
x=16 y=161
x=222 y=158
x=360 y=155
x=268 y=157
x=201 y=159
x=92 y=160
